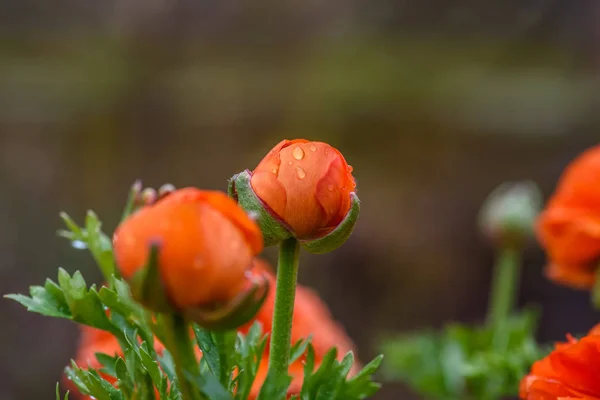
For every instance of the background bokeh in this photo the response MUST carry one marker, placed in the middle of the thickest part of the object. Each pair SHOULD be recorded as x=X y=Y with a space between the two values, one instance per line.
x=434 y=103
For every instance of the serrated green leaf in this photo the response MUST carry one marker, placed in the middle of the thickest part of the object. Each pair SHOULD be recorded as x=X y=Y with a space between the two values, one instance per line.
x=85 y=305
x=369 y=369
x=48 y=300
x=250 y=350
x=125 y=381
x=167 y=365
x=107 y=362
x=210 y=353
x=71 y=225
x=299 y=348
x=209 y=386
x=361 y=385
x=320 y=378
x=346 y=364
x=150 y=365
x=100 y=246
x=274 y=387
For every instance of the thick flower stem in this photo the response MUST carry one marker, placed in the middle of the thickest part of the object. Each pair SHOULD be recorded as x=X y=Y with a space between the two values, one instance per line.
x=178 y=343
x=285 y=292
x=504 y=290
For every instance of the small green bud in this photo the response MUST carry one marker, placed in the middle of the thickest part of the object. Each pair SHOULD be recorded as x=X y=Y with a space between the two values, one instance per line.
x=508 y=215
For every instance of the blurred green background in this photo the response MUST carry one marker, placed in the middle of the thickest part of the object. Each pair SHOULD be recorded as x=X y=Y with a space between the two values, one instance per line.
x=434 y=103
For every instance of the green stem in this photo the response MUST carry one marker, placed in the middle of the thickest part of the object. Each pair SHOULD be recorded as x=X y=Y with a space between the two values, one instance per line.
x=596 y=290
x=178 y=343
x=504 y=291
x=285 y=292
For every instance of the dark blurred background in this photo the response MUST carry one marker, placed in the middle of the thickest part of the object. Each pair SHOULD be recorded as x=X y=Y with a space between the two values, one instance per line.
x=433 y=102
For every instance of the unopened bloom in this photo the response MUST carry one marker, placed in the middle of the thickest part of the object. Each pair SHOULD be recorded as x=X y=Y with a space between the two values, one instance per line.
x=307 y=184
x=300 y=189
x=311 y=318
x=508 y=215
x=205 y=243
x=570 y=372
x=569 y=227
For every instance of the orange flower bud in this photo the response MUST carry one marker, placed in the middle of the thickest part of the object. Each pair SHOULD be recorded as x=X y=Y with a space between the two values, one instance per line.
x=206 y=245
x=569 y=227
x=569 y=372
x=306 y=184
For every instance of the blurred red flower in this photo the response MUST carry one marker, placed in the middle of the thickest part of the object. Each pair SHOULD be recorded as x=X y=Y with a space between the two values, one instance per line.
x=569 y=226
x=570 y=372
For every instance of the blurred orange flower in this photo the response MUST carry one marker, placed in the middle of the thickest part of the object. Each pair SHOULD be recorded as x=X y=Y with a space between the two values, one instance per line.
x=569 y=227
x=207 y=243
x=570 y=372
x=311 y=317
x=306 y=184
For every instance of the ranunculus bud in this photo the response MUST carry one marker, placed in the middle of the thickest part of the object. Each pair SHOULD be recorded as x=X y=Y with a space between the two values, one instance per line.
x=303 y=189
x=509 y=213
x=197 y=245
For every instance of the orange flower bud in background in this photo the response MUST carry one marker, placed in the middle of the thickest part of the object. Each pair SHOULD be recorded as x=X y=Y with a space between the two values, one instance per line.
x=569 y=227
x=311 y=318
x=570 y=372
x=206 y=245
x=306 y=184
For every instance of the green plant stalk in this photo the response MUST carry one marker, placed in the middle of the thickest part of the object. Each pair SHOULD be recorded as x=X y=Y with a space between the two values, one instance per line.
x=596 y=290
x=285 y=293
x=504 y=291
x=178 y=343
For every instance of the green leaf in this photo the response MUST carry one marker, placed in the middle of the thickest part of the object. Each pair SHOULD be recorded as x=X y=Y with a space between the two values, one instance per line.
x=319 y=379
x=167 y=365
x=210 y=352
x=47 y=300
x=108 y=363
x=74 y=231
x=99 y=245
x=299 y=348
x=150 y=364
x=85 y=305
x=361 y=386
x=209 y=386
x=91 y=383
x=274 y=387
x=250 y=350
x=125 y=381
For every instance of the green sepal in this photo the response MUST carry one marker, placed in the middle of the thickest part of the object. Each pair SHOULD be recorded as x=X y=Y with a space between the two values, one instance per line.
x=237 y=312
x=147 y=287
x=339 y=235
x=273 y=229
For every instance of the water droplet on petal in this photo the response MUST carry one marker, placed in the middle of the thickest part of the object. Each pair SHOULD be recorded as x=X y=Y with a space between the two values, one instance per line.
x=330 y=187
x=274 y=170
x=290 y=163
x=313 y=148
x=350 y=168
x=298 y=153
x=79 y=245
x=300 y=172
